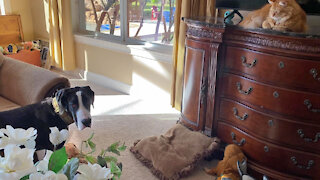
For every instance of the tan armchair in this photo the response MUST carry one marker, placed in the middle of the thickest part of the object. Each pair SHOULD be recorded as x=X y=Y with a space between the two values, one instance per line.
x=22 y=84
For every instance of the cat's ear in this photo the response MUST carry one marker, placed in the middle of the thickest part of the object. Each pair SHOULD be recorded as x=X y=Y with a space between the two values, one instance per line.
x=271 y=1
x=283 y=3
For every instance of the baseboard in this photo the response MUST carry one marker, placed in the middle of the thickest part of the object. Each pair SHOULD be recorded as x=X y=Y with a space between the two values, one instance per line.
x=107 y=82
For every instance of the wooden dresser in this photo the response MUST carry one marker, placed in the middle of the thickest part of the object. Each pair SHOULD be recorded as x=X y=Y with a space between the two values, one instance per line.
x=258 y=89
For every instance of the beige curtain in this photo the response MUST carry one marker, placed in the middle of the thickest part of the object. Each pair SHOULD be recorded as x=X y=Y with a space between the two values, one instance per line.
x=184 y=8
x=60 y=34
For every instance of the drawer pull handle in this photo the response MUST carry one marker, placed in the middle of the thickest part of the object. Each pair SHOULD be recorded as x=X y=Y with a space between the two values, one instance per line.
x=244 y=62
x=295 y=162
x=309 y=106
x=281 y=64
x=314 y=74
x=235 y=112
x=242 y=141
x=242 y=91
x=301 y=134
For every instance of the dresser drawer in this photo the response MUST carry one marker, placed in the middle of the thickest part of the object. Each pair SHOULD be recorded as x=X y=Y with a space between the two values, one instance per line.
x=284 y=101
x=276 y=157
x=272 y=68
x=282 y=131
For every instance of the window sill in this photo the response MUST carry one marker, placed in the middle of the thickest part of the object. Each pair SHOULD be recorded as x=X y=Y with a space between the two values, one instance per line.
x=148 y=51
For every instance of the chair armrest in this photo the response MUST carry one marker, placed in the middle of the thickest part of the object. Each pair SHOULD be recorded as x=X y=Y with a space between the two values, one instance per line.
x=26 y=84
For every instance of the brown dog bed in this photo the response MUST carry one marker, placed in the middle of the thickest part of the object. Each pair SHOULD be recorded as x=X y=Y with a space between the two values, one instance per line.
x=174 y=154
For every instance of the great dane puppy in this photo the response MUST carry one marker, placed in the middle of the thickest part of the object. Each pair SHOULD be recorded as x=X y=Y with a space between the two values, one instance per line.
x=68 y=106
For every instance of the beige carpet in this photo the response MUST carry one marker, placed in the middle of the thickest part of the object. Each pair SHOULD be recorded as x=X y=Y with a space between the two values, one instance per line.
x=128 y=128
x=120 y=117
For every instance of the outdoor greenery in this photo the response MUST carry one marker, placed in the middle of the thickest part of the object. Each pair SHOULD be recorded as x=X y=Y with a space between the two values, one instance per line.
x=148 y=8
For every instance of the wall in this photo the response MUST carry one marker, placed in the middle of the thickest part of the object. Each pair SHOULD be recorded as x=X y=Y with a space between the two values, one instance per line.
x=34 y=16
x=24 y=9
x=117 y=66
x=40 y=16
x=147 y=77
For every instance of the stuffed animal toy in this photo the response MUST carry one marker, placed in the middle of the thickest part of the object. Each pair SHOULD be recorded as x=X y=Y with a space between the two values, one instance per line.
x=5 y=51
x=27 y=45
x=74 y=152
x=227 y=169
x=12 y=48
x=36 y=44
x=242 y=168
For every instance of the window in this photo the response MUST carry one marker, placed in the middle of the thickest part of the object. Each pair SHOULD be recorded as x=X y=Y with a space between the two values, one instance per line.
x=2 y=12
x=130 y=20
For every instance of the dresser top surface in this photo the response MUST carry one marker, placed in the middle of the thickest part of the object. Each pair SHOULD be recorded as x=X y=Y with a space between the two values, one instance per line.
x=213 y=22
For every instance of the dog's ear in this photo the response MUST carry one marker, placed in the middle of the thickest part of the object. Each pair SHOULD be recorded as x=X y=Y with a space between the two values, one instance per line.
x=61 y=96
x=89 y=92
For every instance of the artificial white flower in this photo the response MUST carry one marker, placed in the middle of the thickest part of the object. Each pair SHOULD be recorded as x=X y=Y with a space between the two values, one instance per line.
x=49 y=175
x=93 y=172
x=18 y=137
x=16 y=162
x=56 y=137
x=43 y=164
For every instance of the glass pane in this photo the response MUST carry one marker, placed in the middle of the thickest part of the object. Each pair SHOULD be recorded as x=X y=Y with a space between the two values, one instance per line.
x=151 y=20
x=1 y=8
x=104 y=14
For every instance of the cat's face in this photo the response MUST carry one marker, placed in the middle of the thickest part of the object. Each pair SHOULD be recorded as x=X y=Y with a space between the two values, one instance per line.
x=280 y=8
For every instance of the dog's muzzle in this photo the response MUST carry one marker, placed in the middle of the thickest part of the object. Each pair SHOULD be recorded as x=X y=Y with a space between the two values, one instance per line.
x=87 y=122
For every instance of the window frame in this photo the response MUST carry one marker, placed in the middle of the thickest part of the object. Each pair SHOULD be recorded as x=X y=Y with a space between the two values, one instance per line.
x=122 y=39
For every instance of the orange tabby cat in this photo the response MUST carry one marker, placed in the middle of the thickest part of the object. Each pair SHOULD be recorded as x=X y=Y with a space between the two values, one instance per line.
x=255 y=18
x=280 y=15
x=286 y=15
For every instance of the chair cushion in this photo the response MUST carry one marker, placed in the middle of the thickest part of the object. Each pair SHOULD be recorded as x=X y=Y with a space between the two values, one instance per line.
x=176 y=153
x=5 y=104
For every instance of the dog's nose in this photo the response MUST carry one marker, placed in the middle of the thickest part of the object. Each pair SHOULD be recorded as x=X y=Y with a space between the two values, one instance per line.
x=87 y=122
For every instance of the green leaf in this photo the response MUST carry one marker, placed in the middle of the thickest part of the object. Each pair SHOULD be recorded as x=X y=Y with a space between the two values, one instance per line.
x=57 y=160
x=122 y=148
x=91 y=159
x=90 y=138
x=101 y=161
x=25 y=177
x=115 y=151
x=115 y=169
x=110 y=159
x=70 y=169
x=119 y=165
x=92 y=145
x=114 y=145
x=103 y=152
x=114 y=148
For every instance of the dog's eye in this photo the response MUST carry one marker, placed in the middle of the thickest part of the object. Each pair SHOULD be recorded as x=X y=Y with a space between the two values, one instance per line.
x=74 y=105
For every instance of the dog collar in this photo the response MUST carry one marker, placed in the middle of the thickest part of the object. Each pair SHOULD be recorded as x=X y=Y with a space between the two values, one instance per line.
x=63 y=115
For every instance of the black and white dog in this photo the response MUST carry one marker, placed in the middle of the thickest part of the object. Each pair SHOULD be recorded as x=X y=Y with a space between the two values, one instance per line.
x=69 y=105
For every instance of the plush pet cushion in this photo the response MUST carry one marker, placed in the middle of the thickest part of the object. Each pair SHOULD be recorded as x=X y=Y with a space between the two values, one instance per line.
x=174 y=154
